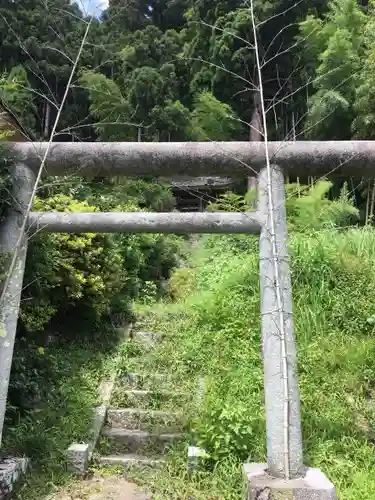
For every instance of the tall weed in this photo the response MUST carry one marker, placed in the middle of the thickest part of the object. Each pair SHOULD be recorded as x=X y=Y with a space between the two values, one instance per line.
x=333 y=280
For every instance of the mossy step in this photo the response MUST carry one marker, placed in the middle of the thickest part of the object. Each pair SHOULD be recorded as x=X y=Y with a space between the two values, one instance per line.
x=144 y=399
x=139 y=379
x=133 y=380
x=138 y=442
x=133 y=461
x=147 y=338
x=137 y=419
x=144 y=336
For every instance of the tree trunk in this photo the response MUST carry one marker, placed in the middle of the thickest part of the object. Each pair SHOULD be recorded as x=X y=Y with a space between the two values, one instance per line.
x=47 y=116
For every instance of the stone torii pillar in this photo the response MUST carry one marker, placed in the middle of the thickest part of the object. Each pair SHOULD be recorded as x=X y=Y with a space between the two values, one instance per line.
x=10 y=236
x=284 y=476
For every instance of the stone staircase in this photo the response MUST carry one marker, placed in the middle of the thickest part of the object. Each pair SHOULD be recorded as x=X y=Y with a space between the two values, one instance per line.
x=140 y=427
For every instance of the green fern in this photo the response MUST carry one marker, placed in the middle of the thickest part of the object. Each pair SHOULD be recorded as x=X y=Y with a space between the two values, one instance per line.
x=311 y=207
x=229 y=202
x=307 y=206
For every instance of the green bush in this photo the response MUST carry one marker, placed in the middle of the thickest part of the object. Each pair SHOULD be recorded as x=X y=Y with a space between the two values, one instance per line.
x=309 y=207
x=110 y=193
x=7 y=159
x=79 y=285
x=71 y=274
x=225 y=429
x=88 y=277
x=181 y=283
x=229 y=202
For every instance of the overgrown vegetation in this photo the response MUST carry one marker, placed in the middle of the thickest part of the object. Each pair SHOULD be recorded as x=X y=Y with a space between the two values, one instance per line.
x=95 y=274
x=180 y=71
x=79 y=285
x=213 y=330
x=63 y=380
x=6 y=163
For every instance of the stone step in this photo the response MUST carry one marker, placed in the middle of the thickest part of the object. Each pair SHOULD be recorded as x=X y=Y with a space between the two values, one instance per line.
x=11 y=471
x=137 y=419
x=147 y=338
x=144 y=399
x=139 y=442
x=133 y=380
x=132 y=461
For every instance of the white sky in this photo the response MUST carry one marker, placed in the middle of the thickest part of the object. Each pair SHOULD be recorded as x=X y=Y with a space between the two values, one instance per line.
x=92 y=6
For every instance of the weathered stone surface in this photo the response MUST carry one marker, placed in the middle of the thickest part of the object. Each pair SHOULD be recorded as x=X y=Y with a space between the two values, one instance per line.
x=313 y=486
x=11 y=469
x=132 y=461
x=170 y=159
x=105 y=391
x=79 y=455
x=148 y=339
x=144 y=381
x=99 y=417
x=195 y=457
x=137 y=419
x=148 y=399
x=281 y=389
x=143 y=222
x=78 y=458
x=140 y=442
x=12 y=236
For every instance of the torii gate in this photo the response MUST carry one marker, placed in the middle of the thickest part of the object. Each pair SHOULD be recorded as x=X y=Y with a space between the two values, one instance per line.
x=284 y=476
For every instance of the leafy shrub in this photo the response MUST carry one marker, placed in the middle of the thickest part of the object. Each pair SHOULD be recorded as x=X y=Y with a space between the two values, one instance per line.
x=310 y=207
x=149 y=292
x=181 y=283
x=110 y=193
x=71 y=273
x=225 y=430
x=7 y=159
x=88 y=276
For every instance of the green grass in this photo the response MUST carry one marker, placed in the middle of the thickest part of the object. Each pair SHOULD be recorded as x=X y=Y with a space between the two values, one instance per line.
x=214 y=330
x=60 y=418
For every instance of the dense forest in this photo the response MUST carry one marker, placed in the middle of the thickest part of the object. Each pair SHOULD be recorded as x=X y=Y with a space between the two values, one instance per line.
x=185 y=69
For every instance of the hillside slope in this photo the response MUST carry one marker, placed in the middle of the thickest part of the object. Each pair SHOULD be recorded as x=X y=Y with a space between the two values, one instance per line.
x=213 y=329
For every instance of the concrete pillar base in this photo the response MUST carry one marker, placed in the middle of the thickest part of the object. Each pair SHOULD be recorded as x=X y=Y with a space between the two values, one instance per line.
x=260 y=486
x=78 y=458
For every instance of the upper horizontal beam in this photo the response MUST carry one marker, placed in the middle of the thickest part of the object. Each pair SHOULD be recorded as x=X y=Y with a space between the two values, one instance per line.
x=158 y=159
x=145 y=222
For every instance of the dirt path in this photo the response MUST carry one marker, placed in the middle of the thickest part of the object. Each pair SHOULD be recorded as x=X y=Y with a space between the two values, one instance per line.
x=101 y=488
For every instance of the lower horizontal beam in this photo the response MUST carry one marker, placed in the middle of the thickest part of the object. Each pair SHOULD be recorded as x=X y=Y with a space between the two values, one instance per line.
x=145 y=222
